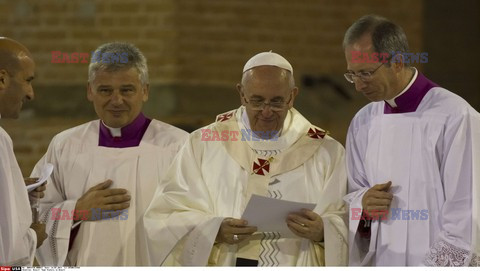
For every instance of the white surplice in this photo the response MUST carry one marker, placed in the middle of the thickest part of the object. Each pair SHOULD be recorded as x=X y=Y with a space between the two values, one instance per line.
x=209 y=181
x=17 y=240
x=80 y=164
x=432 y=157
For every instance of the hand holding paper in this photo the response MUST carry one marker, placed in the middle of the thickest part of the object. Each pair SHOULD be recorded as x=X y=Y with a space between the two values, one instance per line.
x=35 y=188
x=270 y=215
x=46 y=172
x=234 y=231
x=306 y=224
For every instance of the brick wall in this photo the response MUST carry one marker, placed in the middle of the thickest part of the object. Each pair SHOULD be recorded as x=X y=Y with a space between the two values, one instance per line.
x=195 y=49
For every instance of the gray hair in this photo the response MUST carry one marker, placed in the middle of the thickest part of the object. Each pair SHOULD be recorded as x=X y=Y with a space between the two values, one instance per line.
x=387 y=37
x=116 y=56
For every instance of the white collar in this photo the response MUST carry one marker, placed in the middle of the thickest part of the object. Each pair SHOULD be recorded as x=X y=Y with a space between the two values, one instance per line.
x=115 y=132
x=392 y=102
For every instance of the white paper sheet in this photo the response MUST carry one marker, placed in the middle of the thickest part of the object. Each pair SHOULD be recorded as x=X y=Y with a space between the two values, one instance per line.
x=269 y=215
x=46 y=172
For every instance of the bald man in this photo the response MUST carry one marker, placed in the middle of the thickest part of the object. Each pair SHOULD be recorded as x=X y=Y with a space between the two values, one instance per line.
x=19 y=236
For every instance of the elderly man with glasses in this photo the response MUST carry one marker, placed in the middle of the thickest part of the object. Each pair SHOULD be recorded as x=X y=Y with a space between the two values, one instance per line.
x=412 y=155
x=195 y=217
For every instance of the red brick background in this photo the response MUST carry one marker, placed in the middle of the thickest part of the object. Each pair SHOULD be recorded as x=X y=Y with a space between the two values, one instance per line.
x=196 y=50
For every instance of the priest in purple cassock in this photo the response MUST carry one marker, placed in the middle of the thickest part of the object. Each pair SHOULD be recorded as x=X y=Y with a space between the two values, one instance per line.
x=106 y=171
x=413 y=153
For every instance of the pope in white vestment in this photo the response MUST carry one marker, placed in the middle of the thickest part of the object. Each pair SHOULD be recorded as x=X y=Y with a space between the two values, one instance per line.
x=217 y=171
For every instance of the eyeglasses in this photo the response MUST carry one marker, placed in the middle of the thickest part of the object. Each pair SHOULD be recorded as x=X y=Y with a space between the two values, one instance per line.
x=274 y=105
x=364 y=76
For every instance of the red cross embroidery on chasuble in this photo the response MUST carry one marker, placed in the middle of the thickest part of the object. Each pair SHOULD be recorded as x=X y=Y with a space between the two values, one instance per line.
x=225 y=116
x=315 y=133
x=262 y=167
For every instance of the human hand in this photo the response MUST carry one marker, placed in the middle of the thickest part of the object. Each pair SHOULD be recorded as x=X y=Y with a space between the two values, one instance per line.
x=377 y=198
x=306 y=224
x=233 y=231
x=104 y=198
x=39 y=229
x=37 y=193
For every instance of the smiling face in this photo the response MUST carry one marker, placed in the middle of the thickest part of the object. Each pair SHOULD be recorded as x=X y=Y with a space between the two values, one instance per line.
x=267 y=84
x=117 y=96
x=385 y=82
x=16 y=87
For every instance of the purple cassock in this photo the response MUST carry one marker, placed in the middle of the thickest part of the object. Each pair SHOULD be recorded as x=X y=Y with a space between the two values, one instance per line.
x=132 y=134
x=409 y=101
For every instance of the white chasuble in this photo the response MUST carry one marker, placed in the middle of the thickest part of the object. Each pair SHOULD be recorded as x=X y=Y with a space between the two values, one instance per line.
x=81 y=164
x=211 y=180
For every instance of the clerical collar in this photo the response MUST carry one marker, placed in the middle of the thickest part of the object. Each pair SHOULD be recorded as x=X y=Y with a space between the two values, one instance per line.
x=127 y=136
x=392 y=101
x=409 y=99
x=115 y=132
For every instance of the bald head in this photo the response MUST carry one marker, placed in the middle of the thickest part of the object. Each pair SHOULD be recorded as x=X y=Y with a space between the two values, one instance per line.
x=17 y=70
x=11 y=53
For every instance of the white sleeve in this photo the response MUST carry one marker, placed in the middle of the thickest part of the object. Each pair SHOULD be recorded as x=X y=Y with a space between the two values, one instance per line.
x=180 y=213
x=335 y=229
x=54 y=249
x=459 y=169
x=17 y=240
x=360 y=249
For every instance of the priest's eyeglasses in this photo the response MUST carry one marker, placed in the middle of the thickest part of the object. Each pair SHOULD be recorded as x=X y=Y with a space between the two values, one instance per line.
x=275 y=105
x=364 y=76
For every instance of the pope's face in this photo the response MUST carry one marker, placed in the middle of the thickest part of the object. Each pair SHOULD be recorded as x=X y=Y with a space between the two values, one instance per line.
x=18 y=88
x=267 y=84
x=382 y=85
x=117 y=96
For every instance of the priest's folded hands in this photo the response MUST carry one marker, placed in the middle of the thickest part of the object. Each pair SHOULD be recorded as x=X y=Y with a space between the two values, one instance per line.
x=377 y=198
x=306 y=224
x=104 y=198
